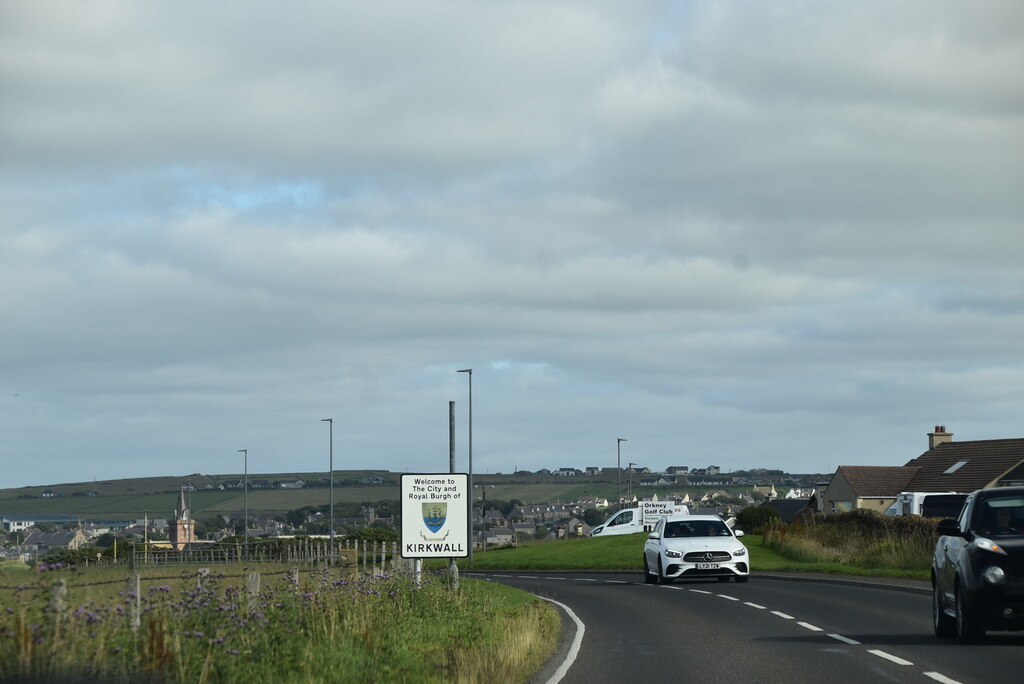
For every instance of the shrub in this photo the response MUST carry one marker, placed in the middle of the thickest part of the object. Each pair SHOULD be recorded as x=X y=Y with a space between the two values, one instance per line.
x=753 y=518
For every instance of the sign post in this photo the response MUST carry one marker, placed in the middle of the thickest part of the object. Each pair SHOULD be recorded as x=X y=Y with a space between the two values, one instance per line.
x=435 y=513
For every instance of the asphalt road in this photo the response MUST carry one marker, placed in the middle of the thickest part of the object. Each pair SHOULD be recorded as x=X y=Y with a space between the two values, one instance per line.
x=771 y=629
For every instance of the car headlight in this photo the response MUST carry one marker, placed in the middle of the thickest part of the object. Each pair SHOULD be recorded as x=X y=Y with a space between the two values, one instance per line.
x=994 y=575
x=988 y=545
x=740 y=552
x=673 y=554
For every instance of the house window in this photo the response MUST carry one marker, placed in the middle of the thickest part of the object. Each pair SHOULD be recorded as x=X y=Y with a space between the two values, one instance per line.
x=955 y=467
x=841 y=506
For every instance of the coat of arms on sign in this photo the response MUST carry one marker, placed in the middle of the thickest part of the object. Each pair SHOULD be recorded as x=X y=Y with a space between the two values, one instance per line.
x=434 y=515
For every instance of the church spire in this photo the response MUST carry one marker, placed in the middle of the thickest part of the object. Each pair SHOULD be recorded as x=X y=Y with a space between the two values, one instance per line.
x=181 y=512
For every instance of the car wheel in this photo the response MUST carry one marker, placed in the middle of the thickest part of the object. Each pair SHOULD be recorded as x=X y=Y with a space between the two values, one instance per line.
x=742 y=578
x=660 y=578
x=967 y=629
x=944 y=625
x=648 y=577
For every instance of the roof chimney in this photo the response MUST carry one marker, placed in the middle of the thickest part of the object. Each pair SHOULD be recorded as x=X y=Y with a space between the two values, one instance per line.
x=940 y=436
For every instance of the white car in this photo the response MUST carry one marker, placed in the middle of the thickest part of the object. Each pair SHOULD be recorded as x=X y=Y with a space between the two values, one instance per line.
x=693 y=547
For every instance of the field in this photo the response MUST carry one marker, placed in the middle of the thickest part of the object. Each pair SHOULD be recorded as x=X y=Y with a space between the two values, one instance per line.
x=321 y=625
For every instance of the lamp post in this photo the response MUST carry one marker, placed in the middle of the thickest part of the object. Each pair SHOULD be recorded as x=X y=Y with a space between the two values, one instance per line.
x=629 y=485
x=469 y=372
x=330 y=423
x=618 y=464
x=245 y=496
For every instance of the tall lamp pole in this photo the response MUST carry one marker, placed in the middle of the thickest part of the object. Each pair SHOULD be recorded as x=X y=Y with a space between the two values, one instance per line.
x=618 y=464
x=629 y=486
x=469 y=372
x=245 y=522
x=330 y=422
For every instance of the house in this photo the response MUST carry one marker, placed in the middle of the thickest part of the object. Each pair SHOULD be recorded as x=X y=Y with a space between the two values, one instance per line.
x=293 y=484
x=871 y=487
x=61 y=539
x=592 y=470
x=791 y=510
x=677 y=470
x=662 y=481
x=767 y=490
x=567 y=472
x=946 y=466
x=372 y=480
x=950 y=466
x=714 y=470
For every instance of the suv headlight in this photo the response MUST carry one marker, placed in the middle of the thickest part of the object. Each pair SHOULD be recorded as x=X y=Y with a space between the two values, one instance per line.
x=988 y=545
x=673 y=554
x=740 y=552
x=994 y=574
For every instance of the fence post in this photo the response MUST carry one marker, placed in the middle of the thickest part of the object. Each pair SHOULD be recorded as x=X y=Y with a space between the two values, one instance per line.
x=133 y=589
x=253 y=582
x=201 y=576
x=59 y=593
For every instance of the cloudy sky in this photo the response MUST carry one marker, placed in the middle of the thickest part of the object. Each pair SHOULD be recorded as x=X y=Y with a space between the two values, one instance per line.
x=780 y=234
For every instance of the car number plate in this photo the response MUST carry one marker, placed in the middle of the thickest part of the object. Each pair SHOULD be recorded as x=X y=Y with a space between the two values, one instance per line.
x=707 y=566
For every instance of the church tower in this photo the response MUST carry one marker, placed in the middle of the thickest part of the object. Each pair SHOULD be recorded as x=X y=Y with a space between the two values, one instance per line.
x=182 y=529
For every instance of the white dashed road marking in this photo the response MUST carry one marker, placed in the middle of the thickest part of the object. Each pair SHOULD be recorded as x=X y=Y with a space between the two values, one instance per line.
x=726 y=596
x=888 y=656
x=782 y=615
x=845 y=640
x=939 y=677
x=700 y=591
x=811 y=627
x=755 y=605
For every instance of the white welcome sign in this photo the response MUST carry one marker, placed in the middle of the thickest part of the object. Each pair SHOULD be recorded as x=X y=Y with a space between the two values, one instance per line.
x=435 y=515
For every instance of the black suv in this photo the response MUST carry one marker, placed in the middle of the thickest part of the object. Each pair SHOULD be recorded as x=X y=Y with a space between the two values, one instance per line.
x=978 y=567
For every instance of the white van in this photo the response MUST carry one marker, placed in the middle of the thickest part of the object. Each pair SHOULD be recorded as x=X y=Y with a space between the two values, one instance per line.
x=640 y=519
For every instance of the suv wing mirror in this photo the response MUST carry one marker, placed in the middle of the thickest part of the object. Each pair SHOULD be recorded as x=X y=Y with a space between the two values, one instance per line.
x=949 y=528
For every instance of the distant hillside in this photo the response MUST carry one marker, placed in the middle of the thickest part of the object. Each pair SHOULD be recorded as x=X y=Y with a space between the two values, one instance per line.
x=157 y=496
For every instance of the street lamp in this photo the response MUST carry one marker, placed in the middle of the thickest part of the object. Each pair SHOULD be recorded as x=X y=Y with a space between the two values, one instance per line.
x=618 y=464
x=469 y=372
x=245 y=523
x=330 y=422
x=629 y=486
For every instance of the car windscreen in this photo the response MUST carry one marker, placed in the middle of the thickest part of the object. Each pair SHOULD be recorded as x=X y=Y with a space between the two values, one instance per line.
x=1000 y=516
x=696 y=528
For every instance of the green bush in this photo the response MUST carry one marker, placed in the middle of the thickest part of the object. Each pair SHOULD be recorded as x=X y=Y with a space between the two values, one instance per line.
x=753 y=519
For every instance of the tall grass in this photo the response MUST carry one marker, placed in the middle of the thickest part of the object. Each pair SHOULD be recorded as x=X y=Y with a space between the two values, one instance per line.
x=319 y=627
x=860 y=538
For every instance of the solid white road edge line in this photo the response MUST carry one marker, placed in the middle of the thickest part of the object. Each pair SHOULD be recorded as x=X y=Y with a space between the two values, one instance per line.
x=889 y=657
x=574 y=650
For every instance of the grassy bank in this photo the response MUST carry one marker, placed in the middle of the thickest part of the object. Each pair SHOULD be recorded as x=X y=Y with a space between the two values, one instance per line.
x=319 y=627
x=624 y=552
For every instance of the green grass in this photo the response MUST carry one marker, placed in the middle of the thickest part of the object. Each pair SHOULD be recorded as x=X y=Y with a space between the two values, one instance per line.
x=624 y=552
x=330 y=626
